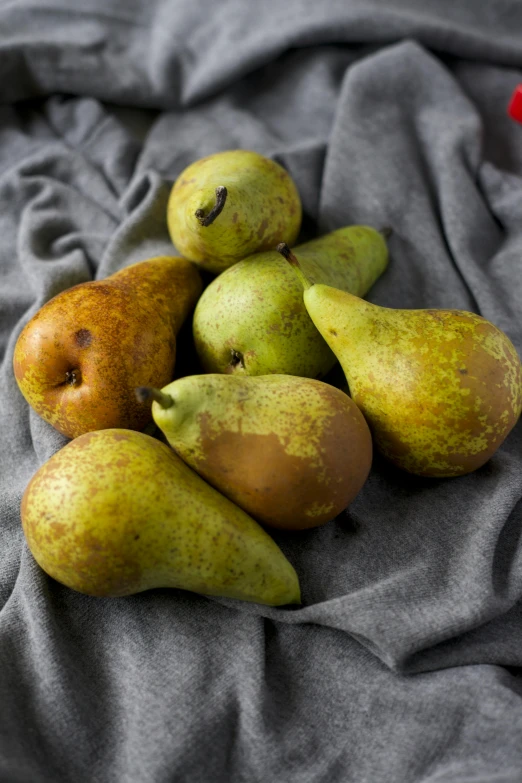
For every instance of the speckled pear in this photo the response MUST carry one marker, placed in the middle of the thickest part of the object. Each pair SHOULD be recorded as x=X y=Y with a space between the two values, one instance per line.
x=78 y=360
x=231 y=204
x=252 y=320
x=440 y=389
x=292 y=452
x=116 y=512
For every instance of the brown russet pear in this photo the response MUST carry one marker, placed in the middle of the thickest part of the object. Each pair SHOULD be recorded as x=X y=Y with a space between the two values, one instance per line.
x=116 y=512
x=440 y=389
x=251 y=320
x=78 y=360
x=292 y=452
x=230 y=204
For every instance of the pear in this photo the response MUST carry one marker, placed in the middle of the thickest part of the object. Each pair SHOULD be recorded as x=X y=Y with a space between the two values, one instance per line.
x=440 y=389
x=116 y=512
x=251 y=320
x=292 y=452
x=231 y=204
x=78 y=360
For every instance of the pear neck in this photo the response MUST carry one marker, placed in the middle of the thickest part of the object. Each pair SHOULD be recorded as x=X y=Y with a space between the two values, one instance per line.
x=146 y=393
x=287 y=254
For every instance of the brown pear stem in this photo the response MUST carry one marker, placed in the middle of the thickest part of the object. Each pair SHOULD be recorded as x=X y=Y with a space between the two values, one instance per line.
x=287 y=253
x=221 y=197
x=290 y=257
x=144 y=393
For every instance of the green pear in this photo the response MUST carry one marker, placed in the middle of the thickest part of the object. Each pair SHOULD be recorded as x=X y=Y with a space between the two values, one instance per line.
x=231 y=204
x=292 y=452
x=251 y=320
x=440 y=389
x=78 y=360
x=116 y=512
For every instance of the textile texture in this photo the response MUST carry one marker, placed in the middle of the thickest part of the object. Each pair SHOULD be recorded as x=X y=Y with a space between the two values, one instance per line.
x=404 y=662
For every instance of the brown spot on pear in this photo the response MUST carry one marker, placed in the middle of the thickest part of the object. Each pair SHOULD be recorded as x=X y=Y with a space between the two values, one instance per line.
x=83 y=338
x=262 y=228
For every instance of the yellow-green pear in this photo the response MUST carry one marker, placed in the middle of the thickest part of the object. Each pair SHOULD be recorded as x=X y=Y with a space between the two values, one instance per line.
x=116 y=512
x=231 y=204
x=292 y=452
x=251 y=320
x=440 y=389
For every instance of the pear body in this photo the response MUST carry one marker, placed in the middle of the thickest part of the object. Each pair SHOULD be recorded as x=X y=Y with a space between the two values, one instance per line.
x=116 y=512
x=252 y=320
x=79 y=359
x=262 y=208
x=292 y=452
x=440 y=389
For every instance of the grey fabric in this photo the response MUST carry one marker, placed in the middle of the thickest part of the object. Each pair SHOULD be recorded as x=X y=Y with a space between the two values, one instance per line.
x=404 y=663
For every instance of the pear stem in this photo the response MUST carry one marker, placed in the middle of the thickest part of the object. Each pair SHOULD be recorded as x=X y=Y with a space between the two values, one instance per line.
x=386 y=231
x=287 y=253
x=144 y=393
x=221 y=197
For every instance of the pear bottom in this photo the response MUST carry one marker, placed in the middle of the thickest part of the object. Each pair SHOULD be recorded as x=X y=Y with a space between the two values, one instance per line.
x=116 y=512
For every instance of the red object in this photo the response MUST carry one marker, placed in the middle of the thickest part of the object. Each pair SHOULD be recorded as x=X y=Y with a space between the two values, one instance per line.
x=515 y=104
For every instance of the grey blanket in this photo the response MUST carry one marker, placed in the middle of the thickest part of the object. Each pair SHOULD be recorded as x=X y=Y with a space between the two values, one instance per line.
x=404 y=663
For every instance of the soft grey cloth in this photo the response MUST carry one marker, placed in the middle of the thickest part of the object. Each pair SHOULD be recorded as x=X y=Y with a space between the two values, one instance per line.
x=404 y=663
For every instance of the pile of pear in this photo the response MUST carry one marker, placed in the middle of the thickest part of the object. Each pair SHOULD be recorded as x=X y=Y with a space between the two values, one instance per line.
x=174 y=479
